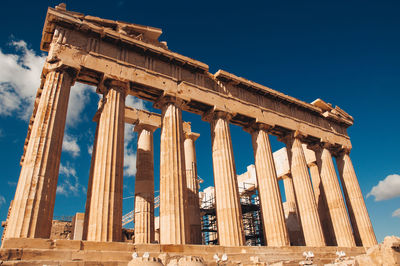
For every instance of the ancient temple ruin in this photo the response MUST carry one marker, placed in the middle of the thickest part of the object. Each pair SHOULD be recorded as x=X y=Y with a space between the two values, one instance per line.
x=123 y=59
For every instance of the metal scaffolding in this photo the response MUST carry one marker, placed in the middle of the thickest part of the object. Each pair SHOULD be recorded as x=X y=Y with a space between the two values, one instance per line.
x=252 y=222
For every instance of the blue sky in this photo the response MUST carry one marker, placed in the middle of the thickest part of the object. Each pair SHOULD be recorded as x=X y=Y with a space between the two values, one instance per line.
x=344 y=52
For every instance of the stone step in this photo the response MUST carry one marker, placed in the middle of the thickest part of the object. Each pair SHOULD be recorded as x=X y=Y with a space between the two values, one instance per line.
x=94 y=257
x=70 y=252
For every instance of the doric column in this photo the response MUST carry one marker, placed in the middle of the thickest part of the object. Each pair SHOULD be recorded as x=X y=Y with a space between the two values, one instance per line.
x=292 y=214
x=32 y=209
x=90 y=181
x=320 y=200
x=336 y=206
x=192 y=186
x=144 y=185
x=363 y=231
x=289 y=192
x=306 y=205
x=229 y=212
x=105 y=213
x=173 y=197
x=275 y=230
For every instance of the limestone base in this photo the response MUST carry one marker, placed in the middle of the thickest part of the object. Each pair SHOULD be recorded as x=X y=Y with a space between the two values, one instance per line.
x=20 y=251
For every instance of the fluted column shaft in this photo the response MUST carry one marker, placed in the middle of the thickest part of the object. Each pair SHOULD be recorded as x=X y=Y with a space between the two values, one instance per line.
x=144 y=186
x=307 y=207
x=322 y=205
x=173 y=197
x=363 y=231
x=289 y=192
x=275 y=230
x=334 y=198
x=229 y=213
x=90 y=182
x=292 y=220
x=105 y=214
x=32 y=209
x=193 y=188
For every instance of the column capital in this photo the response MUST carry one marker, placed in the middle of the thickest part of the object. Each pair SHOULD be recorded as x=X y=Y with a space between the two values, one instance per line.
x=287 y=175
x=215 y=114
x=109 y=82
x=312 y=164
x=289 y=137
x=256 y=126
x=187 y=131
x=191 y=135
x=164 y=100
x=317 y=146
x=139 y=126
x=341 y=151
x=73 y=72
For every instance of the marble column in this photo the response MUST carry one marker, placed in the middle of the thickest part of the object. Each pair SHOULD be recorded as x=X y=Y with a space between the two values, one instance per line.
x=105 y=213
x=193 y=188
x=322 y=205
x=228 y=208
x=144 y=185
x=306 y=205
x=173 y=197
x=90 y=182
x=31 y=213
x=363 y=231
x=292 y=214
x=275 y=231
x=336 y=206
x=289 y=192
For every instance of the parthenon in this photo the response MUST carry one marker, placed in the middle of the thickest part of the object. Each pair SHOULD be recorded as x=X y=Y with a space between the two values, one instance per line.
x=123 y=59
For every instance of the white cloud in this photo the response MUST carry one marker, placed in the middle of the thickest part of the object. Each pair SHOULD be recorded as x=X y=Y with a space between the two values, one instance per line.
x=19 y=79
x=90 y=149
x=70 y=144
x=67 y=170
x=129 y=146
x=70 y=183
x=386 y=189
x=396 y=213
x=12 y=184
x=134 y=102
x=79 y=96
x=129 y=153
x=2 y=200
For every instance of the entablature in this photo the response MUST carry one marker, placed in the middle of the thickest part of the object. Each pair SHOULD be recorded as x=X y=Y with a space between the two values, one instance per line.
x=153 y=72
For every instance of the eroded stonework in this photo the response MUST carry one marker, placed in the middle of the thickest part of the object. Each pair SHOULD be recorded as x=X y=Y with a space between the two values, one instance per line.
x=123 y=59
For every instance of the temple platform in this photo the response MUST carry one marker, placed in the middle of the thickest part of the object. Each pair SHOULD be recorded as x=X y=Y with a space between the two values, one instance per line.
x=20 y=251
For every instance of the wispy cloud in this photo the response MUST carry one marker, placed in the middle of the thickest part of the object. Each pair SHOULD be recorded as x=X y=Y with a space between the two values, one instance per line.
x=396 y=213
x=134 y=102
x=90 y=150
x=70 y=145
x=129 y=145
x=69 y=184
x=387 y=188
x=68 y=171
x=19 y=79
x=129 y=152
x=79 y=97
x=12 y=184
x=2 y=200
